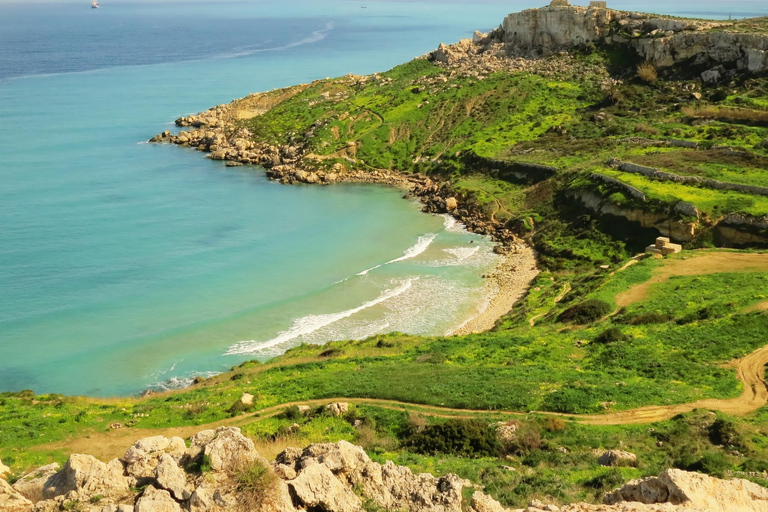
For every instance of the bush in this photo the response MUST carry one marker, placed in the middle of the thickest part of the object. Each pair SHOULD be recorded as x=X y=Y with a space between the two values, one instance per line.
x=611 y=335
x=649 y=318
x=291 y=413
x=585 y=312
x=465 y=438
x=647 y=72
x=527 y=440
x=331 y=352
x=256 y=485
x=607 y=481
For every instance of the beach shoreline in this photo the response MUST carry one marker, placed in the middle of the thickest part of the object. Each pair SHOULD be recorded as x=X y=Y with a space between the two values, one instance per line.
x=217 y=133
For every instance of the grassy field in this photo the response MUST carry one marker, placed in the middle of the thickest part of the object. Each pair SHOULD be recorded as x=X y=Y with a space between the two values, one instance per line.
x=665 y=346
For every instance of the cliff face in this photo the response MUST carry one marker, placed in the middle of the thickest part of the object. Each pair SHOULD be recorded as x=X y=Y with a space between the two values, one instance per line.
x=661 y=41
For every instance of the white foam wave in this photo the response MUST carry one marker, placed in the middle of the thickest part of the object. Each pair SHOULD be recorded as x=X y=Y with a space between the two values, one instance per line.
x=311 y=323
x=462 y=253
x=179 y=382
x=419 y=247
x=452 y=225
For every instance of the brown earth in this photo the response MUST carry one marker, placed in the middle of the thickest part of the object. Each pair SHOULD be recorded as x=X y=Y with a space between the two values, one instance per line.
x=750 y=371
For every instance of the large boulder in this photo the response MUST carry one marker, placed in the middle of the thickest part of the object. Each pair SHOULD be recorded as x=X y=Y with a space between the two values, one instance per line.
x=694 y=490
x=316 y=488
x=91 y=477
x=397 y=488
x=229 y=449
x=11 y=500
x=614 y=458
x=143 y=457
x=156 y=500
x=172 y=478
x=39 y=484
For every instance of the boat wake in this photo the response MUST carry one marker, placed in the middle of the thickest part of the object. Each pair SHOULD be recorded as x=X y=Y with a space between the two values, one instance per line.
x=314 y=37
x=312 y=323
x=419 y=247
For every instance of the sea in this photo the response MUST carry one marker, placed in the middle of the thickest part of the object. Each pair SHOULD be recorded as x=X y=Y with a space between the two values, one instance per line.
x=127 y=266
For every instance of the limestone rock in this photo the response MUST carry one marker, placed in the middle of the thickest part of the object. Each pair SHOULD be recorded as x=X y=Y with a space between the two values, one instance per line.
x=694 y=490
x=316 y=488
x=171 y=477
x=397 y=488
x=484 y=503
x=246 y=399
x=155 y=500
x=229 y=449
x=11 y=500
x=39 y=484
x=91 y=477
x=451 y=204
x=5 y=471
x=613 y=458
x=145 y=454
x=337 y=409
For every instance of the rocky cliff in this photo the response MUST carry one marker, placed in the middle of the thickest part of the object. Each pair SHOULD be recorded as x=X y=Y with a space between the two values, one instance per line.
x=662 y=41
x=222 y=471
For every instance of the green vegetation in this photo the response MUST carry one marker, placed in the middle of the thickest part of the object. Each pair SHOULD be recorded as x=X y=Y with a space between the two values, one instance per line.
x=574 y=345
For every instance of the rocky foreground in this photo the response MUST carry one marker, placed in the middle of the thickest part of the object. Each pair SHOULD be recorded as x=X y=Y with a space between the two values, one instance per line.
x=222 y=471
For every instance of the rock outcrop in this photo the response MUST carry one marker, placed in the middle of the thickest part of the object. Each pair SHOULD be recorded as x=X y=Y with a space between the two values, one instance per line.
x=664 y=42
x=333 y=477
x=694 y=490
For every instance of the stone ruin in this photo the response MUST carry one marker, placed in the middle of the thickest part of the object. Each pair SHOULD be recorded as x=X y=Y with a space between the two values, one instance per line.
x=560 y=3
x=598 y=5
x=663 y=247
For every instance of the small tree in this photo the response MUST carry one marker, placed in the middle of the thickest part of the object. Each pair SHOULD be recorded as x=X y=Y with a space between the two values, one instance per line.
x=647 y=72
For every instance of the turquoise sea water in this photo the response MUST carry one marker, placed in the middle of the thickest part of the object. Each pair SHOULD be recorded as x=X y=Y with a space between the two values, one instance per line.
x=125 y=265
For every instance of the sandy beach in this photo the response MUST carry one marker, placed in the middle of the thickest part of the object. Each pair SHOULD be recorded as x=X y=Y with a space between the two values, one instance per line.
x=507 y=284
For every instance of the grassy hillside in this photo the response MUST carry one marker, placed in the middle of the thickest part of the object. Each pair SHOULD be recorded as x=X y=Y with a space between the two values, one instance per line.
x=611 y=342
x=573 y=113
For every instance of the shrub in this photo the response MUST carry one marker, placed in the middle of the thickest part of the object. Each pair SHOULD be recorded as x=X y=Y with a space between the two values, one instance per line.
x=607 y=481
x=527 y=440
x=256 y=485
x=331 y=352
x=465 y=438
x=554 y=424
x=611 y=335
x=585 y=312
x=647 y=72
x=238 y=408
x=291 y=413
x=649 y=318
x=725 y=433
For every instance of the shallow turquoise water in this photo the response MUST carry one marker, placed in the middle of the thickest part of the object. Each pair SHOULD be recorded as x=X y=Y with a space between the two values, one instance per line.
x=125 y=265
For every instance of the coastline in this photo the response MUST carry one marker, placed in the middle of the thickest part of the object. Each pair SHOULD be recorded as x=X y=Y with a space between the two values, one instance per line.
x=510 y=281
x=216 y=132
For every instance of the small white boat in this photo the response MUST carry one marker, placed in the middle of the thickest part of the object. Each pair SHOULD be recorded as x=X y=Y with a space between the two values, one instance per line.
x=94 y=4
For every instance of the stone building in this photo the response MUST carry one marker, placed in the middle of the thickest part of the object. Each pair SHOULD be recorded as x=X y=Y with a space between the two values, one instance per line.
x=598 y=4
x=663 y=247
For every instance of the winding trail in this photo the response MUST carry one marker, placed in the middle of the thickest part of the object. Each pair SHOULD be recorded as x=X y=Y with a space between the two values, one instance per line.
x=110 y=444
x=750 y=371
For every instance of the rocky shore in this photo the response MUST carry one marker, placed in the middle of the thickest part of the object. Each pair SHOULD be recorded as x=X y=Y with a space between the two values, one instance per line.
x=221 y=471
x=216 y=132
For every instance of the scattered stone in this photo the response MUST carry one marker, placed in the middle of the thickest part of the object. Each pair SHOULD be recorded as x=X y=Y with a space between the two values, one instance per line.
x=614 y=458
x=663 y=247
x=337 y=409
x=246 y=399
x=155 y=500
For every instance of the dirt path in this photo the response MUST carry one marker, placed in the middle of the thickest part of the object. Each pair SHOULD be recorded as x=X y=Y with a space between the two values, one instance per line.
x=750 y=371
x=700 y=264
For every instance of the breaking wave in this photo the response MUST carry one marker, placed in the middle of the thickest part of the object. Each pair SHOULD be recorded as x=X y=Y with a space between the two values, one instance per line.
x=419 y=247
x=311 y=323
